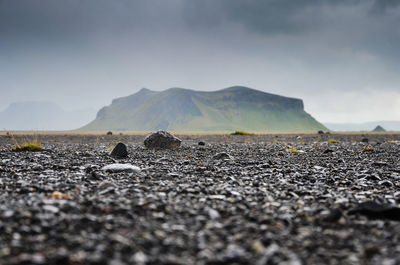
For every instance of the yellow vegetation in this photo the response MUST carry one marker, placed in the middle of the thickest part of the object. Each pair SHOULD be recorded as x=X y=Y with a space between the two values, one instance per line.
x=333 y=141
x=292 y=149
x=368 y=148
x=59 y=195
x=29 y=146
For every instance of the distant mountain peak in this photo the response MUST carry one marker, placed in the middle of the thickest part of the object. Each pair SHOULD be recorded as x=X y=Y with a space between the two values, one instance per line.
x=379 y=129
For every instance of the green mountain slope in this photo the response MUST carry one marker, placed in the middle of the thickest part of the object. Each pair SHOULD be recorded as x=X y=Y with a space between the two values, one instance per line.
x=177 y=109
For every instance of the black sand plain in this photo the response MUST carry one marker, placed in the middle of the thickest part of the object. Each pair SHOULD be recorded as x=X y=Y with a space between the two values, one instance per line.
x=265 y=204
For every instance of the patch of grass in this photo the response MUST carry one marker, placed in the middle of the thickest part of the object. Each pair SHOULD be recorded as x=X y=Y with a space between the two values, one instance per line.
x=237 y=132
x=368 y=148
x=292 y=149
x=333 y=141
x=29 y=146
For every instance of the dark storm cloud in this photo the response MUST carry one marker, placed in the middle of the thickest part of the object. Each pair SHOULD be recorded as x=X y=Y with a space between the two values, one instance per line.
x=75 y=19
x=367 y=25
x=282 y=16
x=381 y=6
x=80 y=19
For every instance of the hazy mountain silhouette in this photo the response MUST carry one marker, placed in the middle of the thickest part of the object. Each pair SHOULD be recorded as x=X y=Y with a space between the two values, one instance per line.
x=42 y=115
x=366 y=126
x=178 y=109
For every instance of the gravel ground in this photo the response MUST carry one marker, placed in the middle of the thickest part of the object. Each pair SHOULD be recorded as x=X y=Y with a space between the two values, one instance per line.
x=257 y=204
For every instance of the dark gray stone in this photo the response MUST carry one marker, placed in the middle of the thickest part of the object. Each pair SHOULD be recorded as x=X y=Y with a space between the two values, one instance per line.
x=162 y=140
x=222 y=155
x=375 y=210
x=120 y=151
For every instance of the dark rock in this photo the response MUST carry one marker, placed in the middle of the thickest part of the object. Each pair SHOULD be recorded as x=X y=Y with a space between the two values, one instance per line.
x=379 y=164
x=202 y=143
x=386 y=183
x=327 y=151
x=162 y=140
x=109 y=133
x=120 y=151
x=320 y=132
x=364 y=140
x=374 y=210
x=222 y=155
x=333 y=216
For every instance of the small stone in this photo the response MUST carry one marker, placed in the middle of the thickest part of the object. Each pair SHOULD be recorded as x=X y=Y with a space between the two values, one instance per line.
x=121 y=168
x=162 y=140
x=333 y=216
x=257 y=247
x=217 y=197
x=120 y=151
x=380 y=164
x=386 y=183
x=106 y=184
x=374 y=210
x=109 y=133
x=213 y=214
x=202 y=143
x=221 y=156
x=139 y=258
x=364 y=140
x=51 y=208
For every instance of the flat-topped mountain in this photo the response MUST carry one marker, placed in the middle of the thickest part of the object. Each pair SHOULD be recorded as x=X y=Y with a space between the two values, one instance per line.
x=178 y=109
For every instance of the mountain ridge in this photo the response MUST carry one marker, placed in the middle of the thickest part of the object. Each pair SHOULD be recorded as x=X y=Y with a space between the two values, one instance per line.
x=182 y=109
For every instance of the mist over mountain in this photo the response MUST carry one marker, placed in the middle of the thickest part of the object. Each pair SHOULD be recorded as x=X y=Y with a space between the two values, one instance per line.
x=178 y=109
x=365 y=126
x=42 y=115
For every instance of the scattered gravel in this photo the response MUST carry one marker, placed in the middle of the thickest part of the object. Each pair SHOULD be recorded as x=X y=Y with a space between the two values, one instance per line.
x=234 y=200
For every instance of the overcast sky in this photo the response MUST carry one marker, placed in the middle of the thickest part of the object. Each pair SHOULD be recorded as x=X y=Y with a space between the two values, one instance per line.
x=342 y=57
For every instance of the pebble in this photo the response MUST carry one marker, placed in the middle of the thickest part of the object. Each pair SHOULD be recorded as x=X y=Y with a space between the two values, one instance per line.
x=222 y=156
x=115 y=168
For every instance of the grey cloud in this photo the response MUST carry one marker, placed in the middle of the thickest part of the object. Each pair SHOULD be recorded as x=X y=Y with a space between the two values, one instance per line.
x=270 y=16
x=80 y=19
x=381 y=6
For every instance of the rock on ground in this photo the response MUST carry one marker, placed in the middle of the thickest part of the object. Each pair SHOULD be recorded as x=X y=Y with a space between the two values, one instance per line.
x=162 y=140
x=120 y=151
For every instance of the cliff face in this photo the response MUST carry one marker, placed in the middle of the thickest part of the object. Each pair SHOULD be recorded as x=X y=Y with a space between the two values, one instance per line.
x=177 y=109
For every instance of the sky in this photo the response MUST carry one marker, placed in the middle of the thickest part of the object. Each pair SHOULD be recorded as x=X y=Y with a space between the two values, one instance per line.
x=342 y=57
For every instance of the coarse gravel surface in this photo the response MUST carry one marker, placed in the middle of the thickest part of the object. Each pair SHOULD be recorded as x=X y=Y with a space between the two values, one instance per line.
x=262 y=199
